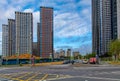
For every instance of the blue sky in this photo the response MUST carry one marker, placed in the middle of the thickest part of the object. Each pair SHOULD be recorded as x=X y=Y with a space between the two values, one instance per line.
x=72 y=21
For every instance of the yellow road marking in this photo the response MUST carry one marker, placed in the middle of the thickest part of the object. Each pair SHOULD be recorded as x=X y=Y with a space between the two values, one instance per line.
x=18 y=78
x=44 y=77
x=10 y=78
x=10 y=75
x=15 y=74
x=32 y=77
x=24 y=75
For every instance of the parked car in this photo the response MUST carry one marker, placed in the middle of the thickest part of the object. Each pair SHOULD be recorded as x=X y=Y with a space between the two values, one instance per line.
x=85 y=61
x=92 y=60
x=66 y=62
x=78 y=61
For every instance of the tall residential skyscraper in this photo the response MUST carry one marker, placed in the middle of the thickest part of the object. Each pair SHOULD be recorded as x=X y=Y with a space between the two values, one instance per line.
x=105 y=24
x=46 y=32
x=114 y=18
x=38 y=38
x=35 y=49
x=24 y=32
x=118 y=19
x=96 y=26
x=11 y=37
x=4 y=40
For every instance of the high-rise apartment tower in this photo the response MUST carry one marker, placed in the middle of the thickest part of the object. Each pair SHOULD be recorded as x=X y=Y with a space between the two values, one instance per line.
x=24 y=32
x=46 y=32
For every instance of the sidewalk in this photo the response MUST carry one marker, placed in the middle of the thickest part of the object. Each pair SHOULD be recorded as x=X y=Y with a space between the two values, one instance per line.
x=45 y=64
x=29 y=65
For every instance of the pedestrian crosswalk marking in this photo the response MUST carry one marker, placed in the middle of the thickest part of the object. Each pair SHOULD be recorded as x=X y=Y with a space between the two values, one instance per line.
x=33 y=76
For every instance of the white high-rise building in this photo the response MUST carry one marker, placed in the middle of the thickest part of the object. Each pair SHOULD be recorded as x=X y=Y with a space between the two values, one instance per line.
x=4 y=40
x=24 y=32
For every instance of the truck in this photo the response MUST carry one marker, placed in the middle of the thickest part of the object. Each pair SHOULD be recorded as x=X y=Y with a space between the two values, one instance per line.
x=92 y=60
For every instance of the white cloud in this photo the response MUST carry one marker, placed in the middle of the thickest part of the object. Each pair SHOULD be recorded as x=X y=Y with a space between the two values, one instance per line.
x=28 y=10
x=67 y=25
x=84 y=49
x=36 y=19
x=85 y=2
x=48 y=3
x=3 y=2
x=85 y=11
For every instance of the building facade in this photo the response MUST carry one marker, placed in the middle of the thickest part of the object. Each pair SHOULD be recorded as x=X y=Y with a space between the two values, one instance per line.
x=24 y=32
x=35 y=49
x=56 y=54
x=11 y=37
x=76 y=53
x=118 y=19
x=46 y=32
x=62 y=53
x=68 y=52
x=105 y=24
x=38 y=38
x=114 y=18
x=96 y=26
x=4 y=40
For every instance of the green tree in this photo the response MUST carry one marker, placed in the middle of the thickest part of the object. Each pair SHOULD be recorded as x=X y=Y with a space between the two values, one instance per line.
x=78 y=56
x=88 y=56
x=114 y=48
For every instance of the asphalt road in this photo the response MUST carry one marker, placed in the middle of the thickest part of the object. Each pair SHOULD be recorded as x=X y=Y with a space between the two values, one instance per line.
x=62 y=73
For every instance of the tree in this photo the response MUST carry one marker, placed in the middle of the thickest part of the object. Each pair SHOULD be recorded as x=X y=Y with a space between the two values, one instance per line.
x=88 y=56
x=114 y=48
x=78 y=57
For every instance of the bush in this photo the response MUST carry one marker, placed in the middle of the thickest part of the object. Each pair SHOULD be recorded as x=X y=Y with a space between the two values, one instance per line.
x=20 y=64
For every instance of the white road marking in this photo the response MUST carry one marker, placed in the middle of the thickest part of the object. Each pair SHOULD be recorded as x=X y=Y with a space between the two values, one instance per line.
x=86 y=77
x=117 y=72
x=87 y=68
x=111 y=79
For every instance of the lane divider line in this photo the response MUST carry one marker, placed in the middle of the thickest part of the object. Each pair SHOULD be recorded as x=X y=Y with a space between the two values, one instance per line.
x=32 y=77
x=46 y=75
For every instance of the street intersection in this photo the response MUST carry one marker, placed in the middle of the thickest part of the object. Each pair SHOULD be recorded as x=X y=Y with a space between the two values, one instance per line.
x=66 y=72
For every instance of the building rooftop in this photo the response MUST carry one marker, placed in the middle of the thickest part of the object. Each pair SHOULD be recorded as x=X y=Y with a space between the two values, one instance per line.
x=46 y=7
x=23 y=12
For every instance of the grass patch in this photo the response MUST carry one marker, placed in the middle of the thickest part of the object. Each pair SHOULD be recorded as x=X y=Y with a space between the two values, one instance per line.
x=114 y=62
